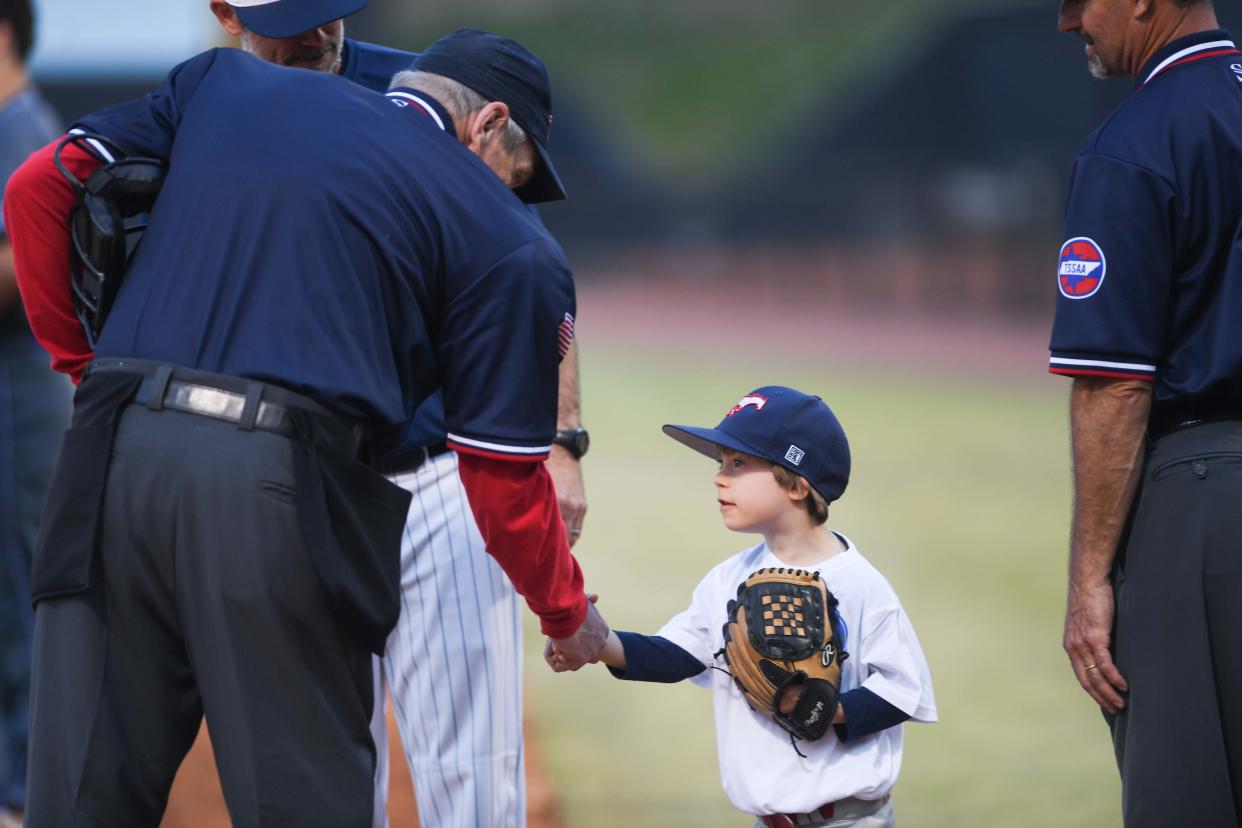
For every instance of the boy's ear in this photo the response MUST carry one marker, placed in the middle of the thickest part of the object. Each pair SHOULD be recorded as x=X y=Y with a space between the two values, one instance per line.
x=801 y=489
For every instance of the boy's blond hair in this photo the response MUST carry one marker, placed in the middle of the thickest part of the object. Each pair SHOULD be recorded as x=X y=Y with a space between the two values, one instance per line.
x=814 y=502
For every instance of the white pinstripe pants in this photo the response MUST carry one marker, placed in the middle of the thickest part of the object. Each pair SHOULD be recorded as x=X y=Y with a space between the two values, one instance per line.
x=454 y=664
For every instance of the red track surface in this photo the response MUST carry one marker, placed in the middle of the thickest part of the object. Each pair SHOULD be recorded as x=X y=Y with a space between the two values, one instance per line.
x=197 y=802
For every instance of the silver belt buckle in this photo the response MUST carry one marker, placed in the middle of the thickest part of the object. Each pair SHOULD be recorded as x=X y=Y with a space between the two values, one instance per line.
x=200 y=399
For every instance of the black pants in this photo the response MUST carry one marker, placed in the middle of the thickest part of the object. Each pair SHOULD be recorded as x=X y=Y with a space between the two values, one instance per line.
x=203 y=599
x=1178 y=635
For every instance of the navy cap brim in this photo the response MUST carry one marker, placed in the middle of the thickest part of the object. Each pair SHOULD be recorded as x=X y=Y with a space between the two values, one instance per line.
x=708 y=441
x=287 y=18
x=545 y=184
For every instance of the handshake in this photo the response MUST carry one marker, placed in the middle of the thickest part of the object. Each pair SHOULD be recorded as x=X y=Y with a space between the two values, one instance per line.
x=585 y=646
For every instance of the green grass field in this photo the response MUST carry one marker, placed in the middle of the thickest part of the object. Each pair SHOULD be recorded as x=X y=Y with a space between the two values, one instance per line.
x=959 y=495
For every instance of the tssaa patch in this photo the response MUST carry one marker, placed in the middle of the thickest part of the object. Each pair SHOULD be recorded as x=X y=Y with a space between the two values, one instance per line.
x=1080 y=271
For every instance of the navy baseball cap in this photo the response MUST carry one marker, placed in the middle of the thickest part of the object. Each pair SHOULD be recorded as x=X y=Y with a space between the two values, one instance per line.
x=783 y=426
x=501 y=69
x=286 y=18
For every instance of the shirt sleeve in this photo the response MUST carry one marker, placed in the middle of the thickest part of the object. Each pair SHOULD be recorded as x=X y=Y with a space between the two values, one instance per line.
x=37 y=208
x=865 y=714
x=652 y=658
x=502 y=343
x=691 y=629
x=514 y=505
x=1114 y=271
x=893 y=664
x=147 y=126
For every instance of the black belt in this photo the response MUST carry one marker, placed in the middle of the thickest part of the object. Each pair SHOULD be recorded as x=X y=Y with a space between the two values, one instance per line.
x=1167 y=419
x=849 y=808
x=248 y=404
x=408 y=460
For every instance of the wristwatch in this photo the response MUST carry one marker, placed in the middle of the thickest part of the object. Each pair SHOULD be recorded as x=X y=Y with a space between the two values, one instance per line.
x=575 y=439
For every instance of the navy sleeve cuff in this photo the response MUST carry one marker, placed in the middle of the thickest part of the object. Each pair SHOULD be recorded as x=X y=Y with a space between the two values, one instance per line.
x=865 y=714
x=654 y=658
x=1073 y=364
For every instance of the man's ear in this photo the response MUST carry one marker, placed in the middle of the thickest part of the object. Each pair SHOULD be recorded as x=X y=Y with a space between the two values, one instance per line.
x=486 y=124
x=1143 y=9
x=227 y=17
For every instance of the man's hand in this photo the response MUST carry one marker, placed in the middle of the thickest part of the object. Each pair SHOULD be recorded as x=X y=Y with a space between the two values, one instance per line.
x=1108 y=419
x=583 y=647
x=566 y=473
x=1088 y=632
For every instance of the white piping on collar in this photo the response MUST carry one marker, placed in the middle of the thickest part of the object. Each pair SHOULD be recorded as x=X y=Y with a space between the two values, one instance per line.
x=1190 y=50
x=431 y=110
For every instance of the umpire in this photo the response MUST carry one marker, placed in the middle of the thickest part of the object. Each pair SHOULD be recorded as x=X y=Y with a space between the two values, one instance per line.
x=213 y=543
x=1150 y=294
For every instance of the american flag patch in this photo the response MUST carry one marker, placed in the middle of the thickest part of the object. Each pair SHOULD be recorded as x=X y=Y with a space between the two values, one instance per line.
x=565 y=334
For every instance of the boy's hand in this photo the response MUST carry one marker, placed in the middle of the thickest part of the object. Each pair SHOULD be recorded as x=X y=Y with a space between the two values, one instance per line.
x=612 y=654
x=583 y=647
x=789 y=700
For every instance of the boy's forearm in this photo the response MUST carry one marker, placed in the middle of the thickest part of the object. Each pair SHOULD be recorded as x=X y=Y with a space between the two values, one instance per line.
x=634 y=657
x=862 y=713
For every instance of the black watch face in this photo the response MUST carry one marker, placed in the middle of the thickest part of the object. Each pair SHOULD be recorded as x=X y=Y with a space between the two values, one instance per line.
x=576 y=440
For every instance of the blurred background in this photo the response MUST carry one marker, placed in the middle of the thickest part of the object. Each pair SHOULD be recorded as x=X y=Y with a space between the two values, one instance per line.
x=858 y=199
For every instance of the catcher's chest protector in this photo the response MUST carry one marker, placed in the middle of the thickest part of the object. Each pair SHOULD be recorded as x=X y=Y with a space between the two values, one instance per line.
x=780 y=634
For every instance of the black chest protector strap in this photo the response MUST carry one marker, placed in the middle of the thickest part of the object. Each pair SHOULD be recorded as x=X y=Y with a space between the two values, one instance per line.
x=106 y=224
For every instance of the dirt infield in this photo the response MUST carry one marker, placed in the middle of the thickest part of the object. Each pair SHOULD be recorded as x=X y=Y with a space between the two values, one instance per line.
x=197 y=801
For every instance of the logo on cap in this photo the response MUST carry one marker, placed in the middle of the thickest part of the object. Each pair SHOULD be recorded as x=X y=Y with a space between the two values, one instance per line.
x=1081 y=267
x=794 y=455
x=745 y=402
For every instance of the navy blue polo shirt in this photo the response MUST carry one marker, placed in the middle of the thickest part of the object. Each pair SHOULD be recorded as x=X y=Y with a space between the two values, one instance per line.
x=312 y=234
x=1150 y=273
x=373 y=66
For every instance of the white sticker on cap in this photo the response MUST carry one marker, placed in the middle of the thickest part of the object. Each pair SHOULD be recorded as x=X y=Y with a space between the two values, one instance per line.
x=795 y=455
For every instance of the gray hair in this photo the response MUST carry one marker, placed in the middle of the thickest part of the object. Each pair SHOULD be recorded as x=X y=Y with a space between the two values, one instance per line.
x=460 y=100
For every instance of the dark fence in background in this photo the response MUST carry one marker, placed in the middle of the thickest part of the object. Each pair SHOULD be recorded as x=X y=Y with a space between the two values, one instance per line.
x=953 y=150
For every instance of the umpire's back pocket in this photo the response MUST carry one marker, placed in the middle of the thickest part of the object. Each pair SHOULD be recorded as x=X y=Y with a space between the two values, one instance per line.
x=70 y=524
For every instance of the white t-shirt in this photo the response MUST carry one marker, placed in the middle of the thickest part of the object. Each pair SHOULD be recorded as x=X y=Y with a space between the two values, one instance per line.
x=760 y=771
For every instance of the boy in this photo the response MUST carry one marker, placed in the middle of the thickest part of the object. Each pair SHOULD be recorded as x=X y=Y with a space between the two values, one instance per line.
x=784 y=458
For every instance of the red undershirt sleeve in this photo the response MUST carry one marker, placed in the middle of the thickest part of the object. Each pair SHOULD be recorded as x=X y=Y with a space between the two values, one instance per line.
x=37 y=205
x=514 y=504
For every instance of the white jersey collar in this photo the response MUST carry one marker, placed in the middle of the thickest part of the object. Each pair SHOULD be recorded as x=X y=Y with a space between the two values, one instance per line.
x=1183 y=54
